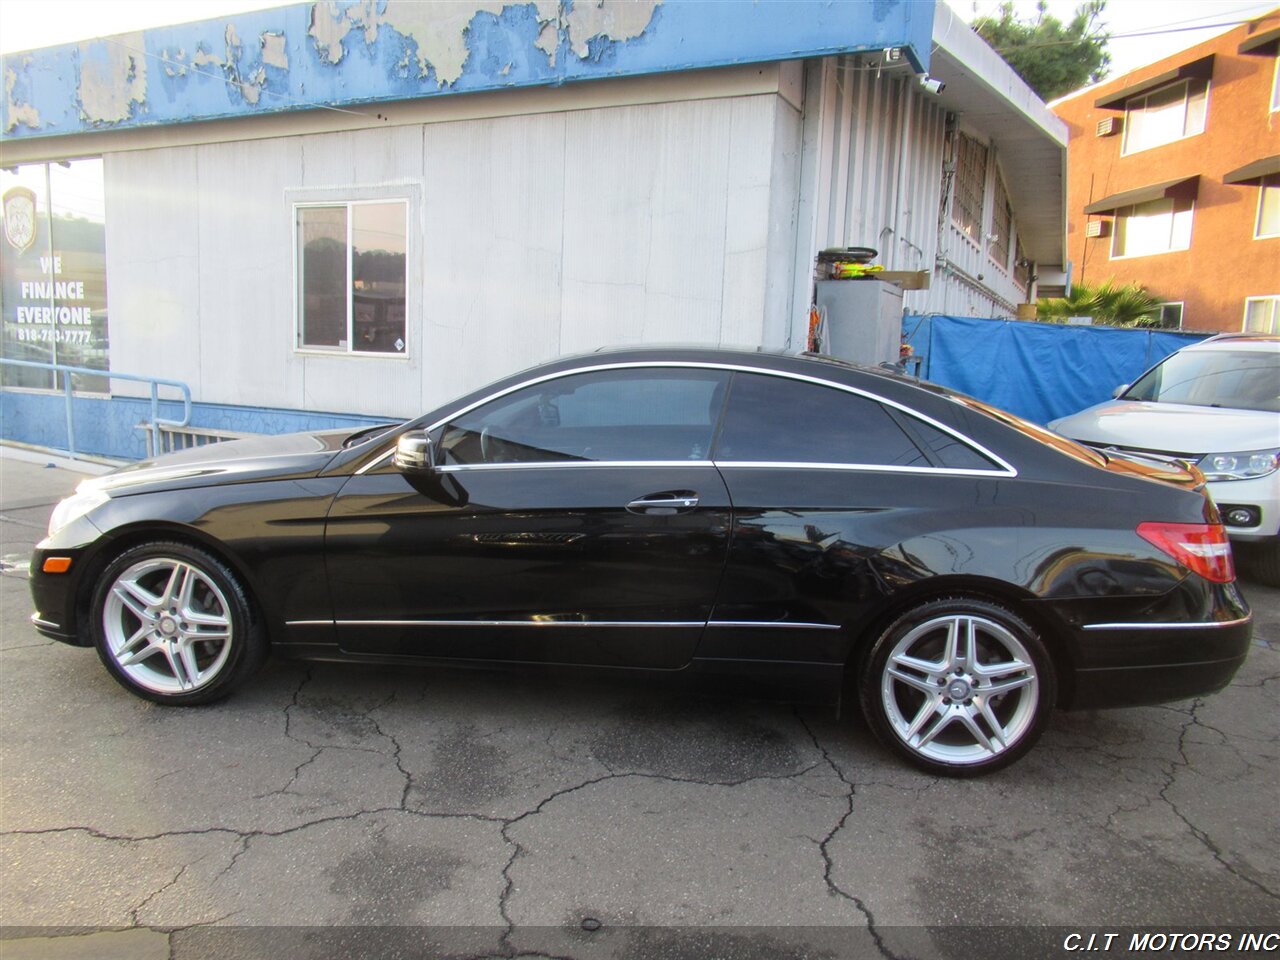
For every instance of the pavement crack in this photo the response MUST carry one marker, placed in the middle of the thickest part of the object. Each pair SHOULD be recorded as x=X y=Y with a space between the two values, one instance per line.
x=1200 y=835
x=297 y=772
x=133 y=914
x=293 y=703
x=397 y=750
x=1256 y=684
x=18 y=521
x=27 y=646
x=824 y=845
x=235 y=857
x=242 y=835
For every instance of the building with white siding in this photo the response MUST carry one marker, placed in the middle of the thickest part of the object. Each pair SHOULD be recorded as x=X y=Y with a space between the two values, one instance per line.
x=326 y=211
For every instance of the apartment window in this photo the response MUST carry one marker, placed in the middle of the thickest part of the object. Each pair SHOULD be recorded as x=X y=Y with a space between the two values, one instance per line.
x=1262 y=314
x=1001 y=226
x=971 y=178
x=1165 y=115
x=351 y=280
x=1268 y=224
x=1157 y=226
x=1275 y=86
x=1169 y=317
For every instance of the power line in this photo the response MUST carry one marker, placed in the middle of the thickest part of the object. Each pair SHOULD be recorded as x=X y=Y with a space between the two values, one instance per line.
x=1121 y=36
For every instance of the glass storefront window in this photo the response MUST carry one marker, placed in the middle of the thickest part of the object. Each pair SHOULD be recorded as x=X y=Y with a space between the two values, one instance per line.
x=53 y=285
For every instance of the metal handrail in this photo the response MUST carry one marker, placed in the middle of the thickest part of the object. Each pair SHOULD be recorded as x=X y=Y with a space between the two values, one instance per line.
x=68 y=390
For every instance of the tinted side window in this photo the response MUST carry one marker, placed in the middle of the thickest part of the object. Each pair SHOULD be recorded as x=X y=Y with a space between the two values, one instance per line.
x=773 y=419
x=944 y=449
x=642 y=414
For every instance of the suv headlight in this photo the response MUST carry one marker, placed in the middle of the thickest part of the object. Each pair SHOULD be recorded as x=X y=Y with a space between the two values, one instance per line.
x=74 y=507
x=1239 y=466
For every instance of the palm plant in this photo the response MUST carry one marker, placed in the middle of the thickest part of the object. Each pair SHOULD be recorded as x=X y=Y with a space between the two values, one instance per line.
x=1127 y=305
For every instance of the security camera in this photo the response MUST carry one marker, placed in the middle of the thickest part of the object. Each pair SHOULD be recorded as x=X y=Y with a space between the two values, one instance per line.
x=933 y=85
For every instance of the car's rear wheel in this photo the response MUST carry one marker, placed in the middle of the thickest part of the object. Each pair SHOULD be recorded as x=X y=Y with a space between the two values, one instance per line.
x=959 y=686
x=173 y=625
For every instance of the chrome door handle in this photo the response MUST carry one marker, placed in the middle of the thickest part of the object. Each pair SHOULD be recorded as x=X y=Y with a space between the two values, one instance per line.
x=673 y=502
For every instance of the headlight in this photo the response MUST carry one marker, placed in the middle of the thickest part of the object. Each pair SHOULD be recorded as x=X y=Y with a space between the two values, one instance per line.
x=1239 y=466
x=74 y=507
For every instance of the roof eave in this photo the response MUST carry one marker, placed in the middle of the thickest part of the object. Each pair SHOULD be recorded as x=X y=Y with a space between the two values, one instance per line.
x=1030 y=140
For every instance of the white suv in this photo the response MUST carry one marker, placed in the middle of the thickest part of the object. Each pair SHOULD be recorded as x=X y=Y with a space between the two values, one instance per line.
x=1216 y=404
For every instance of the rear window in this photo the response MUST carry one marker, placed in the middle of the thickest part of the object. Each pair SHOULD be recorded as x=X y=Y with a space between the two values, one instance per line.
x=1060 y=443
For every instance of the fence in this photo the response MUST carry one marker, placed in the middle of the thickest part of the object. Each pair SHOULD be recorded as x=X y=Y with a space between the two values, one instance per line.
x=1040 y=371
x=154 y=423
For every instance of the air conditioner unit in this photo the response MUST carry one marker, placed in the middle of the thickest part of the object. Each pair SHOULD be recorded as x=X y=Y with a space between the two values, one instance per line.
x=1108 y=126
x=1097 y=228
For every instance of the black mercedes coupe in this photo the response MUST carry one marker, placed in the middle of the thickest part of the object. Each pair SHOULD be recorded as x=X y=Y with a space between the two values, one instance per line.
x=682 y=511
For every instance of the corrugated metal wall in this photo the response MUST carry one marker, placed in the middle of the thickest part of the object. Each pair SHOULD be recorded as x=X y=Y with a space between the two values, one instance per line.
x=881 y=146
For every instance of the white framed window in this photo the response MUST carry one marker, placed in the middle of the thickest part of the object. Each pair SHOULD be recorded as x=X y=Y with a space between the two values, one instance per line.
x=1169 y=316
x=351 y=280
x=1275 y=86
x=1001 y=226
x=1262 y=314
x=970 y=186
x=1157 y=226
x=1164 y=115
x=1268 y=222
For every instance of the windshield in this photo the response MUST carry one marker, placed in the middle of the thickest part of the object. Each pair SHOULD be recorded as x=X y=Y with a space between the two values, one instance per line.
x=1239 y=379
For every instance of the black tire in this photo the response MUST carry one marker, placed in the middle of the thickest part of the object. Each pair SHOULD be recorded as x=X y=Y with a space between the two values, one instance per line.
x=936 y=708
x=172 y=624
x=1260 y=561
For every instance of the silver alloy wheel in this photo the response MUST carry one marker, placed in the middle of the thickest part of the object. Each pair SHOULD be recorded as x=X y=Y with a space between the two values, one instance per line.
x=167 y=625
x=960 y=689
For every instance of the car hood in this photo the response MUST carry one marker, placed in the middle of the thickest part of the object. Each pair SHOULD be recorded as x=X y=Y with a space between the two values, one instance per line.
x=284 y=457
x=1176 y=428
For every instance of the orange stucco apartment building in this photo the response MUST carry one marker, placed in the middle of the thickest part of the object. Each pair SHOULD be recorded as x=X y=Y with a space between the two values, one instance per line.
x=1173 y=181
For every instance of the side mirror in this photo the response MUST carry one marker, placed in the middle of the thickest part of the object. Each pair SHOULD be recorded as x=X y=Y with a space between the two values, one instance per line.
x=1115 y=394
x=415 y=453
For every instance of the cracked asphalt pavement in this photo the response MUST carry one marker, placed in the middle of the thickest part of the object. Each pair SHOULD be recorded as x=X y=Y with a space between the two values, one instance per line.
x=340 y=811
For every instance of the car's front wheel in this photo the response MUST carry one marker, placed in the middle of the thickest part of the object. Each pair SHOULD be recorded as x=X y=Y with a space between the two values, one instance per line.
x=959 y=686
x=172 y=624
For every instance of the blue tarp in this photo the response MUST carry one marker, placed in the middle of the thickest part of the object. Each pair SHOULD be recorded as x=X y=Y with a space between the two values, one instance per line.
x=1040 y=371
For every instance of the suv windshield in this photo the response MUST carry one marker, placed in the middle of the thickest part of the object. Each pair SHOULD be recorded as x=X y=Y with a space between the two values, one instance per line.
x=1241 y=379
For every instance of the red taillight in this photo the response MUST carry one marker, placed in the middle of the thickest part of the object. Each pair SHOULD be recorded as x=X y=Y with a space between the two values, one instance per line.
x=1202 y=548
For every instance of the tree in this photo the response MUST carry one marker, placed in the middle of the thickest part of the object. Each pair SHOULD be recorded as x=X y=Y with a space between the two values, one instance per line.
x=1118 y=306
x=1052 y=57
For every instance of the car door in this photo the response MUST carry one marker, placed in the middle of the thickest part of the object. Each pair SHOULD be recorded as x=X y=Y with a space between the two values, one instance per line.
x=575 y=519
x=836 y=497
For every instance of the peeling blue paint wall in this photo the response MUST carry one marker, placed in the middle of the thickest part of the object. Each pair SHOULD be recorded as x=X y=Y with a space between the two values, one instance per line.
x=345 y=54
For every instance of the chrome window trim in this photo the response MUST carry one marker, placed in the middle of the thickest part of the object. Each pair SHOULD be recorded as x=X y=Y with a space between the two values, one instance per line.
x=565 y=623
x=858 y=467
x=560 y=464
x=1197 y=625
x=1005 y=469
x=375 y=461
